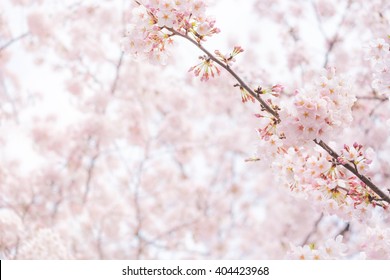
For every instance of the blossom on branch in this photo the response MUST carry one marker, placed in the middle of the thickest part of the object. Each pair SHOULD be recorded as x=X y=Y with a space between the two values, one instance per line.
x=205 y=69
x=228 y=59
x=333 y=249
x=319 y=112
x=203 y=29
x=355 y=155
x=245 y=95
x=153 y=24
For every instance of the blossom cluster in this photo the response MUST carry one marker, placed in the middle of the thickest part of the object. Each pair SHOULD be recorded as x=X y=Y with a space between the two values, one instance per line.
x=153 y=23
x=319 y=112
x=333 y=249
x=322 y=179
x=205 y=69
x=208 y=68
x=357 y=156
x=379 y=54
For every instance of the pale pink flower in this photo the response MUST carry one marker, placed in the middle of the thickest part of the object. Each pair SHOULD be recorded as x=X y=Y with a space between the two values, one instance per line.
x=166 y=18
x=381 y=80
x=333 y=249
x=230 y=57
x=301 y=253
x=377 y=50
x=150 y=30
x=198 y=8
x=277 y=88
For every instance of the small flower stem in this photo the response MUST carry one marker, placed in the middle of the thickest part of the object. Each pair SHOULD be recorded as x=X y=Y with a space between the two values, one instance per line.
x=320 y=143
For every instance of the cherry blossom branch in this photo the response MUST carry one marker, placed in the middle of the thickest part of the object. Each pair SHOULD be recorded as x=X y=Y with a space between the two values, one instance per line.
x=353 y=169
x=270 y=110
x=231 y=72
x=195 y=32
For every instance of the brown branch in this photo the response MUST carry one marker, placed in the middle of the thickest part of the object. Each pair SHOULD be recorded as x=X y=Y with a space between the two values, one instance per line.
x=352 y=169
x=335 y=37
x=331 y=43
x=378 y=98
x=57 y=202
x=89 y=178
x=117 y=70
x=231 y=72
x=90 y=170
x=266 y=107
x=314 y=229
x=345 y=229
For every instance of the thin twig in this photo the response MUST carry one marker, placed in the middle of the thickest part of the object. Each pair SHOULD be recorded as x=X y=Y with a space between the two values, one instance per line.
x=89 y=177
x=90 y=170
x=378 y=98
x=314 y=229
x=335 y=37
x=117 y=70
x=344 y=230
x=13 y=40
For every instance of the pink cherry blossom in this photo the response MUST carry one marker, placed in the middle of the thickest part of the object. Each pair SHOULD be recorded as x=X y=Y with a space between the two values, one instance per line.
x=111 y=150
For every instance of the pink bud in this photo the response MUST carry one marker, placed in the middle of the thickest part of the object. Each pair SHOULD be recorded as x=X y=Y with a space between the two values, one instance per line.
x=277 y=88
